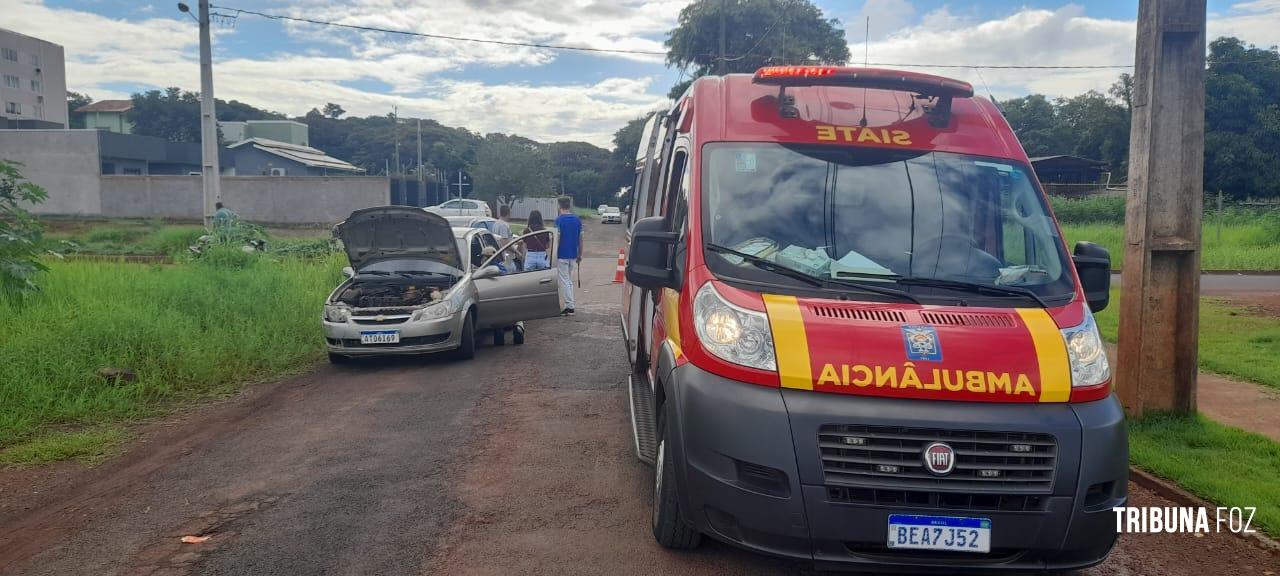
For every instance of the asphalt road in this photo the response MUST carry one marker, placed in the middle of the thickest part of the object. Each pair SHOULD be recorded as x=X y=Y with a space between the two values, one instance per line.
x=1231 y=284
x=518 y=462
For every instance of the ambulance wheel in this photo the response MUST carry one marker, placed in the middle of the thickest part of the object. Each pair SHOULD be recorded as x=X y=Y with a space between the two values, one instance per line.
x=467 y=349
x=670 y=528
x=517 y=335
x=499 y=337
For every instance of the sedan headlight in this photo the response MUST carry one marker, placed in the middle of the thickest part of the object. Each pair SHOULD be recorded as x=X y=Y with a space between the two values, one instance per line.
x=1088 y=356
x=432 y=311
x=338 y=314
x=732 y=333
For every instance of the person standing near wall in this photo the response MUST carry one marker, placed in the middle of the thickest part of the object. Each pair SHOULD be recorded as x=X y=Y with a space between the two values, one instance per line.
x=570 y=251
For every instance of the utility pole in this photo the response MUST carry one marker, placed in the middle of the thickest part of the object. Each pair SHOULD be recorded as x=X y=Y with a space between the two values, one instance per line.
x=395 y=135
x=1160 y=300
x=211 y=185
x=720 y=64
x=422 y=194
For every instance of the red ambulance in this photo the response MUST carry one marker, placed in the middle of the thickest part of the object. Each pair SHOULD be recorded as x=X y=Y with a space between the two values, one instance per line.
x=856 y=333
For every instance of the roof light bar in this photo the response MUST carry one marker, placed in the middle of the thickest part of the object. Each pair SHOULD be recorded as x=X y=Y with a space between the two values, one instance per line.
x=923 y=84
x=942 y=90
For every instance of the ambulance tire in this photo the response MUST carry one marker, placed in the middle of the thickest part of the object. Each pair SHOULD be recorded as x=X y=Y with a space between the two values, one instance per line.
x=670 y=528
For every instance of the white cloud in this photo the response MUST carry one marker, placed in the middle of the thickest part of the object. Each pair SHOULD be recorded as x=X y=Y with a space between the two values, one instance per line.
x=886 y=17
x=1030 y=37
x=158 y=52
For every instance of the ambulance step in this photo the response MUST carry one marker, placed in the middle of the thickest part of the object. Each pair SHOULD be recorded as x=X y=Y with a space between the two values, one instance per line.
x=643 y=422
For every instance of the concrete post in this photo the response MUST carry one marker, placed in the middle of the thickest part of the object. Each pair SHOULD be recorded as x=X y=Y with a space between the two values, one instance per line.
x=1159 y=305
x=209 y=176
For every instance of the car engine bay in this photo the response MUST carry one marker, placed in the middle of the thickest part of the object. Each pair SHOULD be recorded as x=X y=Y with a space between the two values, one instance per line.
x=394 y=292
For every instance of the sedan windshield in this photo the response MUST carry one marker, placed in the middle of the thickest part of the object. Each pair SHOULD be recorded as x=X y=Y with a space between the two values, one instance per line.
x=928 y=223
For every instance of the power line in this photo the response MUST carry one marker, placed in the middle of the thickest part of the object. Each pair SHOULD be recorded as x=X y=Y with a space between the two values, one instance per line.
x=438 y=36
x=269 y=16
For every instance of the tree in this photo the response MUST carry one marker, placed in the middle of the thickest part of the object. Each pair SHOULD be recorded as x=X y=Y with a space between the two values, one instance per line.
x=333 y=111
x=1034 y=119
x=510 y=167
x=20 y=232
x=756 y=33
x=75 y=101
x=1242 y=120
x=173 y=114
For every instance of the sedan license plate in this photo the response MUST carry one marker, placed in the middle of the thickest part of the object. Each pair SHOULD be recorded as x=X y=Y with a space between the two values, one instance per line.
x=945 y=533
x=380 y=337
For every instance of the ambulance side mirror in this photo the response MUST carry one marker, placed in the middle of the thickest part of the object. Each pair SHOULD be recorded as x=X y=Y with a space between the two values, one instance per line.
x=1093 y=266
x=648 y=261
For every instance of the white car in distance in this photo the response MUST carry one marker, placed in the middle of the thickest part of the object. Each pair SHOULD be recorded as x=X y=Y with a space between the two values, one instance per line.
x=461 y=207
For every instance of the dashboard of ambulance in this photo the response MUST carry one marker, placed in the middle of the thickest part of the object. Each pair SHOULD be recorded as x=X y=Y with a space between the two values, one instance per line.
x=881 y=225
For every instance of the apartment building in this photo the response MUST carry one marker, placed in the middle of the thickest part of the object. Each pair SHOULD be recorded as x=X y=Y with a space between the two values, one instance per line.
x=33 y=82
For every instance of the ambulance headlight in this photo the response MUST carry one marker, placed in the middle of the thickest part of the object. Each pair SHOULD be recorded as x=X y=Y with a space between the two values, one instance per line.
x=1088 y=356
x=732 y=333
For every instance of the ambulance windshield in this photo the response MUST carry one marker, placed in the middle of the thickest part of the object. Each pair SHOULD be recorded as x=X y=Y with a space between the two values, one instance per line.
x=930 y=223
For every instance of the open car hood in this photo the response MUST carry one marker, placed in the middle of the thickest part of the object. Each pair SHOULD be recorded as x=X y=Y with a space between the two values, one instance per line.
x=385 y=232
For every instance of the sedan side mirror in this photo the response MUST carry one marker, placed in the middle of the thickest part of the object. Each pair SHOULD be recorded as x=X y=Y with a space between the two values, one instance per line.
x=648 y=262
x=348 y=271
x=486 y=272
x=1093 y=266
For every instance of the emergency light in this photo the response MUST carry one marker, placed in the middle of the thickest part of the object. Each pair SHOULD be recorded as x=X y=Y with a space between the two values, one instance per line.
x=941 y=90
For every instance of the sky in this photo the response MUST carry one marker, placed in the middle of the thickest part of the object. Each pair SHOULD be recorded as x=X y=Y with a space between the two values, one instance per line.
x=117 y=47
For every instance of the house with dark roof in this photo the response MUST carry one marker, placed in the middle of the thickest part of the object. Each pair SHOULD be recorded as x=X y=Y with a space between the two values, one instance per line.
x=109 y=115
x=263 y=157
x=1067 y=169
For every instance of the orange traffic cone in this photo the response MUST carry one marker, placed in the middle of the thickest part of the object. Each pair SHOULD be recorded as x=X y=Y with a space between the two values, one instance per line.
x=622 y=267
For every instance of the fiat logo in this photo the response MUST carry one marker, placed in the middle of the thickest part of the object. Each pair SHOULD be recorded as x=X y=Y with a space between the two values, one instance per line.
x=939 y=458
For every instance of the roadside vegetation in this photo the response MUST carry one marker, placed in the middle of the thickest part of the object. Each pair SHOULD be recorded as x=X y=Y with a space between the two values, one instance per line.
x=1235 y=340
x=1225 y=465
x=102 y=343
x=1250 y=238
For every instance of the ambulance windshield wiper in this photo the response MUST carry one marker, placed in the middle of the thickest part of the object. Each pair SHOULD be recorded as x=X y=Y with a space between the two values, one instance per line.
x=817 y=281
x=972 y=287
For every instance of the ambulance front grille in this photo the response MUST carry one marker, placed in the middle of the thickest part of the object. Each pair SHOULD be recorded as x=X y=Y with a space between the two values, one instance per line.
x=891 y=458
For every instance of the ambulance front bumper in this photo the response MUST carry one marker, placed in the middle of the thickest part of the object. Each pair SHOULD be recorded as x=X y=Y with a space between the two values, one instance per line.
x=753 y=475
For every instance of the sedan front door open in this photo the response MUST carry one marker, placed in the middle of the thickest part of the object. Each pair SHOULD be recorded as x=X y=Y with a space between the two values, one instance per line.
x=525 y=288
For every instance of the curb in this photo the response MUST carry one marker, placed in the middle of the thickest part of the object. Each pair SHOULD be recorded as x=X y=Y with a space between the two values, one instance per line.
x=1181 y=496
x=1229 y=272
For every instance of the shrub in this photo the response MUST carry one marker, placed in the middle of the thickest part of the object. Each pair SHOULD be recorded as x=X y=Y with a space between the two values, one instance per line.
x=20 y=233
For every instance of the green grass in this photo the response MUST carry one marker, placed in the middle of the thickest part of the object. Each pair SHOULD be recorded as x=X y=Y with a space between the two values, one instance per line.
x=88 y=446
x=1244 y=246
x=1224 y=465
x=1250 y=238
x=189 y=331
x=1234 y=341
x=125 y=237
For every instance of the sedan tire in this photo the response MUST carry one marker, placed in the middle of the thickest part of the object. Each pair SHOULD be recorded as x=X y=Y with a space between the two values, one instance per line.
x=467 y=349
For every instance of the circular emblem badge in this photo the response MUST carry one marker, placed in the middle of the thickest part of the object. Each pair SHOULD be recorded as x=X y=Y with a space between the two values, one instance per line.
x=939 y=458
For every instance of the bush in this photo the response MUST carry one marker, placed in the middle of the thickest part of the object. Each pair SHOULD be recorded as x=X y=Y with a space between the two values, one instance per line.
x=228 y=256
x=20 y=233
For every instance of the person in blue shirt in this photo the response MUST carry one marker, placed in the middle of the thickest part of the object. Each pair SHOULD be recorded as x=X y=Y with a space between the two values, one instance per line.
x=569 y=253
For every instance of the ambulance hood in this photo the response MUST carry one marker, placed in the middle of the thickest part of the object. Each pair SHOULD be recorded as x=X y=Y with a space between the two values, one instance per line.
x=384 y=232
x=938 y=353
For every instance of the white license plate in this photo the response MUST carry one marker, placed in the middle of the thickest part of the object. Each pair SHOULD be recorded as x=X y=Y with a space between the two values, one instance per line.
x=380 y=337
x=939 y=533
